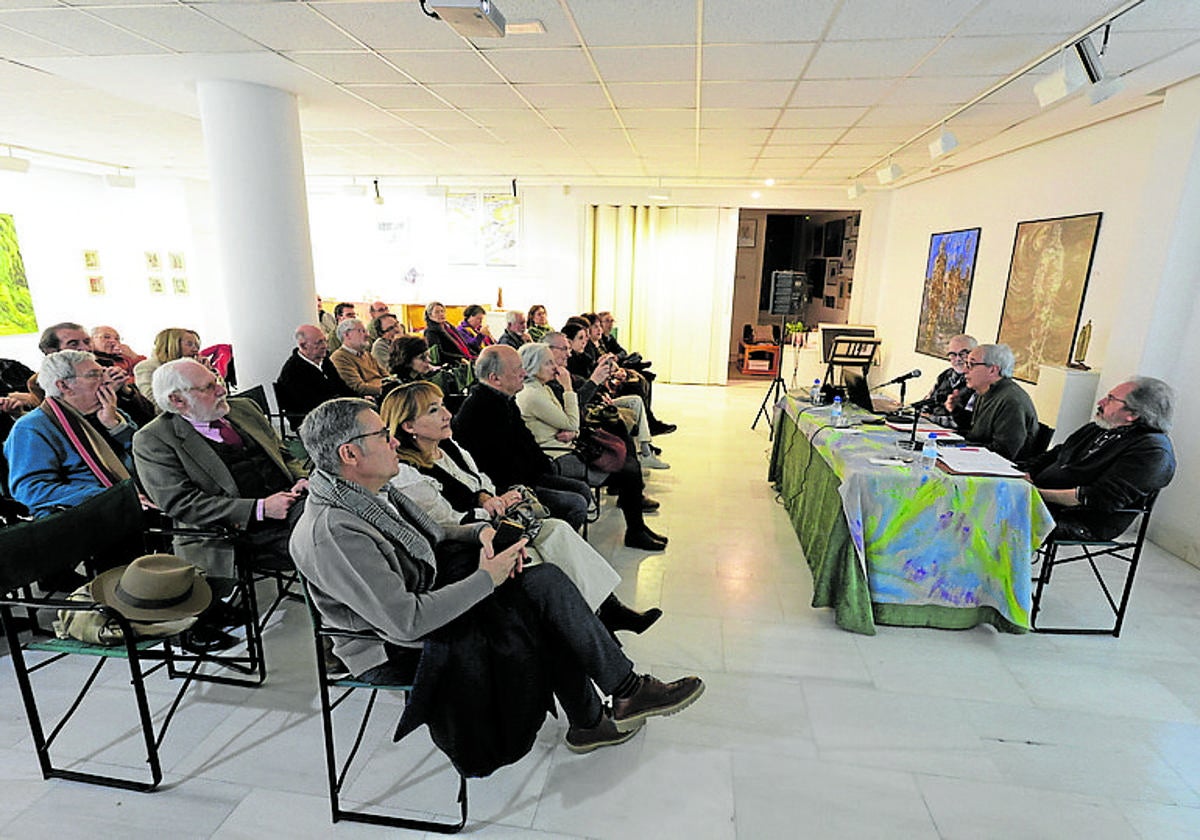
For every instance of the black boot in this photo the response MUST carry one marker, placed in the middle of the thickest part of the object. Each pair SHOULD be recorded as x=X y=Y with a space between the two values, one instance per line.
x=617 y=616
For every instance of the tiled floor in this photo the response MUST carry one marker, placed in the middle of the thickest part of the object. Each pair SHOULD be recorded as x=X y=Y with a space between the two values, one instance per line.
x=805 y=730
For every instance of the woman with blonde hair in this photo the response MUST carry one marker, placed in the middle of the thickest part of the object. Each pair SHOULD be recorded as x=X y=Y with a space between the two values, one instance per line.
x=170 y=344
x=445 y=482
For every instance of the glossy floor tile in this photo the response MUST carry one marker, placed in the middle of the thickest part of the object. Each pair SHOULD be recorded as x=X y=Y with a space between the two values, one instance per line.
x=805 y=730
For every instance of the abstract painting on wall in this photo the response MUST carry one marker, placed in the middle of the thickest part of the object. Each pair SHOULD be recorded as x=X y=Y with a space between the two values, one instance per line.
x=16 y=306
x=1047 y=278
x=949 y=270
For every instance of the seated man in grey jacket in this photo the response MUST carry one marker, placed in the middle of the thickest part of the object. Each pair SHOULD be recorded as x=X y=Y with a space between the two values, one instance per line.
x=374 y=561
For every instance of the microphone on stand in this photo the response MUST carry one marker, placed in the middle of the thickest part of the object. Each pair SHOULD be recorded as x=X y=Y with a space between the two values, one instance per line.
x=904 y=377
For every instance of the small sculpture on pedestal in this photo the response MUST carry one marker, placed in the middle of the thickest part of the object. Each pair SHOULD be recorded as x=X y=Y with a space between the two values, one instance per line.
x=1081 y=347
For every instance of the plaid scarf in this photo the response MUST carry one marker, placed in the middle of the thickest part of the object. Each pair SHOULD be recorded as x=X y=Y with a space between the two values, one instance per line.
x=401 y=521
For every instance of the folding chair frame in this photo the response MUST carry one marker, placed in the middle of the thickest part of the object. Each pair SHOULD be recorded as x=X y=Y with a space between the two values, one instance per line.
x=336 y=774
x=1128 y=552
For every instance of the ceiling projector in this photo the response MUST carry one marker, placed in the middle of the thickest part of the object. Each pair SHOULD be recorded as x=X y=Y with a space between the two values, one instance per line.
x=470 y=18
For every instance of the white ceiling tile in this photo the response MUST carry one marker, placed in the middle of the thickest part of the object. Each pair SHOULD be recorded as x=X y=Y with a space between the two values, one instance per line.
x=1162 y=15
x=739 y=117
x=564 y=65
x=478 y=96
x=867 y=152
x=766 y=21
x=442 y=66
x=661 y=118
x=179 y=28
x=646 y=139
x=348 y=67
x=891 y=135
x=983 y=56
x=868 y=59
x=597 y=119
x=870 y=19
x=390 y=26
x=999 y=114
x=744 y=95
x=290 y=27
x=839 y=92
x=619 y=22
x=564 y=96
x=646 y=64
x=805 y=135
x=903 y=115
x=1129 y=50
x=750 y=62
x=519 y=119
x=79 y=31
x=820 y=117
x=395 y=96
x=653 y=95
x=1060 y=18
x=397 y=136
x=734 y=137
x=14 y=44
x=433 y=118
x=922 y=90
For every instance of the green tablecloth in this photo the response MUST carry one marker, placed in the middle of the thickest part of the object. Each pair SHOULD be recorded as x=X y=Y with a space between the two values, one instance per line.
x=896 y=546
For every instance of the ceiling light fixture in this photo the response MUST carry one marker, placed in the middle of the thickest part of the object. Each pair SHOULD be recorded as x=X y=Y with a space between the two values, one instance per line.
x=1061 y=83
x=12 y=163
x=889 y=173
x=756 y=194
x=855 y=191
x=945 y=143
x=1102 y=85
x=770 y=182
x=469 y=18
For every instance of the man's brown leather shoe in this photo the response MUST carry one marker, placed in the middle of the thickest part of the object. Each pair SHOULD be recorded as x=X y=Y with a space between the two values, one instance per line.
x=603 y=734
x=654 y=697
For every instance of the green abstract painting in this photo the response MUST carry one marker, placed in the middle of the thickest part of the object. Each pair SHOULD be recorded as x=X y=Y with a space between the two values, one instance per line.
x=16 y=306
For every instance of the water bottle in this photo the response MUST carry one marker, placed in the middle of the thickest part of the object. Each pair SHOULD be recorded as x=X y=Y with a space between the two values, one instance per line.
x=814 y=393
x=835 y=415
x=929 y=453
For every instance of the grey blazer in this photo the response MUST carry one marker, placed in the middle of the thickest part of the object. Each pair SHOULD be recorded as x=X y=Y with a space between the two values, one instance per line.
x=182 y=474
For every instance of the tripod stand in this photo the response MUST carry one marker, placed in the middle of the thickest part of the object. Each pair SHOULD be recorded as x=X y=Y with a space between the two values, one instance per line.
x=777 y=388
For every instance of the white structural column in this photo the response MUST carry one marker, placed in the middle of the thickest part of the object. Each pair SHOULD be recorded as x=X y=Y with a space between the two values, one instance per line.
x=256 y=167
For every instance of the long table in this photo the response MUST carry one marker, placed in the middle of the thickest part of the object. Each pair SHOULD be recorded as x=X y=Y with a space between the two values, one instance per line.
x=897 y=544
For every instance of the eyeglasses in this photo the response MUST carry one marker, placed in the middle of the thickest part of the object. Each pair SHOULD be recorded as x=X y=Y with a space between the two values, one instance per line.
x=210 y=388
x=1111 y=398
x=384 y=433
x=562 y=347
x=961 y=354
x=977 y=364
x=91 y=374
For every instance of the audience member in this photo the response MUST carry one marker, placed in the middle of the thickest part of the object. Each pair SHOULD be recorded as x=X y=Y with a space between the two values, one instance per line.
x=15 y=398
x=409 y=362
x=537 y=323
x=207 y=461
x=106 y=342
x=384 y=329
x=555 y=426
x=341 y=312
x=445 y=482
x=377 y=309
x=377 y=563
x=584 y=360
x=1004 y=419
x=489 y=426
x=170 y=344
x=354 y=362
x=474 y=331
x=308 y=378
x=1114 y=462
x=514 y=330
x=76 y=444
x=447 y=345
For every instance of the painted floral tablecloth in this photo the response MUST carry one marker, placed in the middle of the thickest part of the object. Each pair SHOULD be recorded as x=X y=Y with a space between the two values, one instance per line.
x=922 y=539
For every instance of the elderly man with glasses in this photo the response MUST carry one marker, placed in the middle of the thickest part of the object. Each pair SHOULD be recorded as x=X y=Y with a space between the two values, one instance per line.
x=950 y=390
x=76 y=443
x=1004 y=419
x=1112 y=463
x=308 y=378
x=211 y=461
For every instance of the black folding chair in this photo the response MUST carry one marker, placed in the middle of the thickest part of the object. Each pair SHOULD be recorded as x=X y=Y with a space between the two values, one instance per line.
x=29 y=551
x=346 y=685
x=1125 y=552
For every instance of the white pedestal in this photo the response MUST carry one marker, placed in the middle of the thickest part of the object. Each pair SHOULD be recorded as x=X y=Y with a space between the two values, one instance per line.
x=1065 y=398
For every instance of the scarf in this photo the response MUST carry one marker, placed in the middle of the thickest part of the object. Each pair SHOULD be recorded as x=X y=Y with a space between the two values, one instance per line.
x=88 y=443
x=403 y=523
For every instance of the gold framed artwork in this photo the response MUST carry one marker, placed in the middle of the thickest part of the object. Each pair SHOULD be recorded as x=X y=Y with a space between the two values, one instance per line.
x=747 y=236
x=1047 y=278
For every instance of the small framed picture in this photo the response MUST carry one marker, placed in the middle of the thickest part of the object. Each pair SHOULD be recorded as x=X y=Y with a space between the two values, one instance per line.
x=747 y=233
x=157 y=287
x=152 y=261
x=176 y=258
x=91 y=260
x=96 y=285
x=830 y=301
x=180 y=285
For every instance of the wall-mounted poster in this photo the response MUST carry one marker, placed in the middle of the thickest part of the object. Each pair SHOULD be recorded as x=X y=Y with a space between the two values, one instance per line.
x=157 y=287
x=16 y=306
x=96 y=285
x=949 y=270
x=153 y=263
x=1047 y=278
x=177 y=261
x=91 y=260
x=180 y=284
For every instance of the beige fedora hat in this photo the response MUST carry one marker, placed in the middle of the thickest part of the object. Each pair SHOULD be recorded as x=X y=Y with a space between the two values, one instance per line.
x=154 y=587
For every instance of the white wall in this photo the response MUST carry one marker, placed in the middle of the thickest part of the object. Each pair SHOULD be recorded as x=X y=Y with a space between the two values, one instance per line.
x=59 y=215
